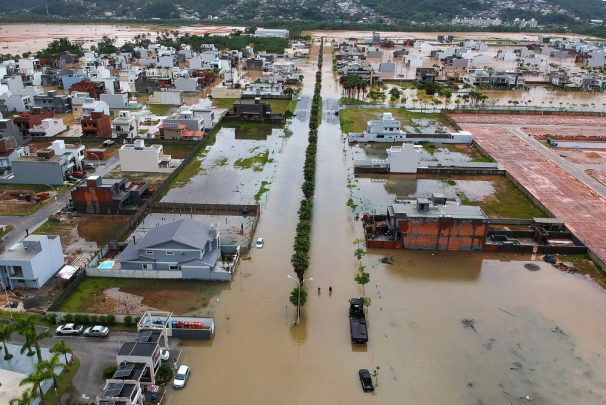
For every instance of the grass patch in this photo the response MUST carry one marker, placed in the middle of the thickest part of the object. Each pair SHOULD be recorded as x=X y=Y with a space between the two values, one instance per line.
x=483 y=159
x=354 y=120
x=429 y=147
x=160 y=109
x=63 y=382
x=262 y=190
x=255 y=162
x=583 y=264
x=220 y=162
x=226 y=103
x=353 y=101
x=278 y=106
x=177 y=150
x=6 y=230
x=100 y=230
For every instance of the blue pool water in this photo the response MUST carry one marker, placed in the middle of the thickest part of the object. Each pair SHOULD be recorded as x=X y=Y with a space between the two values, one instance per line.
x=108 y=264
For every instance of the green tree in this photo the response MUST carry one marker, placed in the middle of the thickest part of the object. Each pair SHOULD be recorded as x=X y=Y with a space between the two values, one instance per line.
x=362 y=278
x=395 y=92
x=27 y=328
x=61 y=348
x=48 y=369
x=6 y=329
x=300 y=263
x=26 y=398
x=36 y=378
x=294 y=296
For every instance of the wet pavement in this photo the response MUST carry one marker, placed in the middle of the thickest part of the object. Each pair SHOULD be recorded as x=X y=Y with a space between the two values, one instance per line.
x=528 y=336
x=554 y=185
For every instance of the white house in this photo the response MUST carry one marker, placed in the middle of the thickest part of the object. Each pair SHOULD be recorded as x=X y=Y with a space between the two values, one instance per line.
x=137 y=157
x=384 y=130
x=91 y=105
x=31 y=262
x=403 y=159
x=125 y=125
x=48 y=127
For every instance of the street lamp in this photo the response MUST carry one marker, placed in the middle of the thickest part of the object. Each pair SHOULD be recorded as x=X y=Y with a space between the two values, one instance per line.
x=300 y=284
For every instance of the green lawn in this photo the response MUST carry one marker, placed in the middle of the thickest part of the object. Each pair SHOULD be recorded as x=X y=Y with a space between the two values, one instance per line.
x=278 y=106
x=354 y=120
x=177 y=150
x=224 y=102
x=6 y=230
x=255 y=162
x=159 y=109
x=63 y=381
x=507 y=201
x=353 y=101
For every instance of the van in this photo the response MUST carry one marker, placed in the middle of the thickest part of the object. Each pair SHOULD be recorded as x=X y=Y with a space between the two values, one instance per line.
x=109 y=142
x=181 y=377
x=90 y=166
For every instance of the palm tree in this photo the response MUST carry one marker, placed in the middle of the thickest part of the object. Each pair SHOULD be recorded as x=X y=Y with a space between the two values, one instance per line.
x=27 y=328
x=47 y=370
x=24 y=324
x=6 y=329
x=26 y=397
x=61 y=348
x=36 y=379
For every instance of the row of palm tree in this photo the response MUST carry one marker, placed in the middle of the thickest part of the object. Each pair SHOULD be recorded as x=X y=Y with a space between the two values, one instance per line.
x=44 y=369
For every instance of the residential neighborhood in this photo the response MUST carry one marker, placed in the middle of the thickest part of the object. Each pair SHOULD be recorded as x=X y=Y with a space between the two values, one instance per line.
x=180 y=203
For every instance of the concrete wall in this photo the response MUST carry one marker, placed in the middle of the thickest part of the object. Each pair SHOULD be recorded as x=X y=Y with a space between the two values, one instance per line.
x=36 y=172
x=132 y=160
x=443 y=234
x=166 y=97
x=153 y=274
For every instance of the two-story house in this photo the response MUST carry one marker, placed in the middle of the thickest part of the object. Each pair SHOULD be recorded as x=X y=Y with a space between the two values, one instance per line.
x=31 y=262
x=189 y=248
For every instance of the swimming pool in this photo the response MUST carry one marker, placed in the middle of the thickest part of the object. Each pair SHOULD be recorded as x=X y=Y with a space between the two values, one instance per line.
x=108 y=264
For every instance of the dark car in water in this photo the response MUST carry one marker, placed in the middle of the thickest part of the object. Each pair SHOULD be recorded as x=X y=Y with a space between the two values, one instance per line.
x=366 y=380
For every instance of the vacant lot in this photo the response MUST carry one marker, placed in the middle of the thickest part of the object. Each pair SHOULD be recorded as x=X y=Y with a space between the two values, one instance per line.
x=354 y=119
x=14 y=202
x=91 y=228
x=153 y=179
x=117 y=295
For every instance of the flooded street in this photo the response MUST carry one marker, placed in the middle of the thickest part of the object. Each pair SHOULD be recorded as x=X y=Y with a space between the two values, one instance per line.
x=530 y=334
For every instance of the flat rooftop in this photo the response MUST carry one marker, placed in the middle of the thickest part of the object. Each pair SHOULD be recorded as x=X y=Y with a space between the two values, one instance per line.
x=412 y=210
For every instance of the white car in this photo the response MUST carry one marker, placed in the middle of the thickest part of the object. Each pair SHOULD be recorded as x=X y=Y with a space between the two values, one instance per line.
x=260 y=243
x=70 y=329
x=164 y=354
x=181 y=377
x=96 y=331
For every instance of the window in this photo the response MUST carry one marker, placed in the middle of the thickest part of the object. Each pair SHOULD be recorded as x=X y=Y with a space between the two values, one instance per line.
x=149 y=252
x=147 y=267
x=169 y=253
x=175 y=267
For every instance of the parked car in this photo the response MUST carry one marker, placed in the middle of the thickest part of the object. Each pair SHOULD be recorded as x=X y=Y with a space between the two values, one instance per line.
x=181 y=377
x=260 y=243
x=109 y=142
x=366 y=380
x=71 y=178
x=90 y=166
x=164 y=354
x=70 y=329
x=78 y=174
x=96 y=331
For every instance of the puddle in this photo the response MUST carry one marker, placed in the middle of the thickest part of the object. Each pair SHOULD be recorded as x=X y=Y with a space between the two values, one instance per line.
x=475 y=190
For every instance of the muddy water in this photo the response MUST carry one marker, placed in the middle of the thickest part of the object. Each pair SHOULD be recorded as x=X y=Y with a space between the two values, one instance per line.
x=542 y=346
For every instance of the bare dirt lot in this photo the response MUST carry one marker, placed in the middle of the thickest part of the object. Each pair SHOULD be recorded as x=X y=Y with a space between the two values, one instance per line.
x=572 y=134
x=561 y=193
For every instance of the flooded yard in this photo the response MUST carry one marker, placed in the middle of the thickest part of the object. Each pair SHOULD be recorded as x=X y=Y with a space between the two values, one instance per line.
x=237 y=168
x=496 y=195
x=354 y=120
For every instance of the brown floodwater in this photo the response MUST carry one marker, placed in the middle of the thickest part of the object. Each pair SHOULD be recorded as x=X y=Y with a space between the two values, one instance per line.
x=537 y=334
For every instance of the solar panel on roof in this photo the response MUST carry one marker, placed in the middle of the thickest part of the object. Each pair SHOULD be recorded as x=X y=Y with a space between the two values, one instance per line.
x=143 y=336
x=114 y=389
x=124 y=370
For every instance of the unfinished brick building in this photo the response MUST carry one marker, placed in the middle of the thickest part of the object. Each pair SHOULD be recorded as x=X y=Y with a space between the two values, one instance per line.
x=109 y=196
x=96 y=125
x=428 y=224
x=29 y=119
